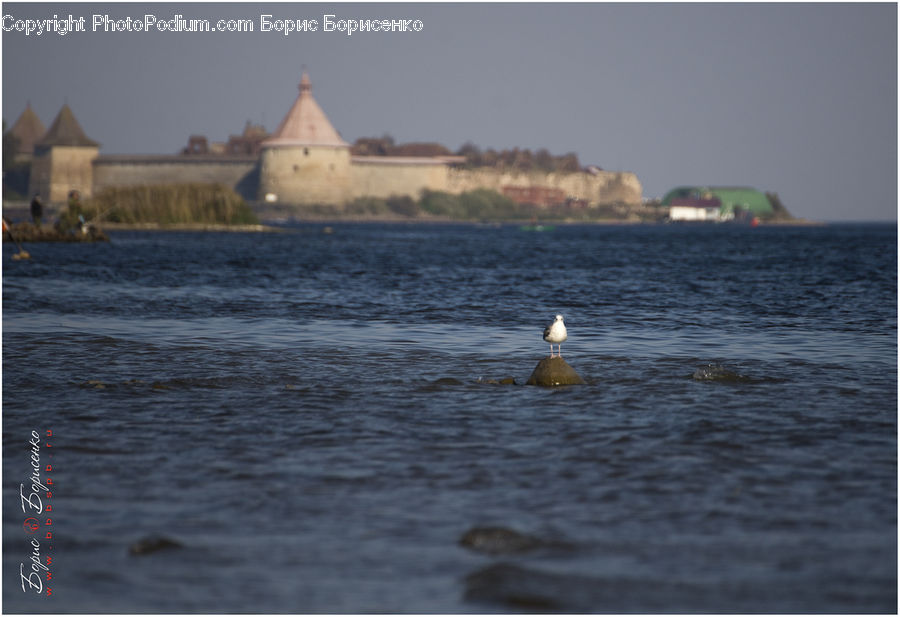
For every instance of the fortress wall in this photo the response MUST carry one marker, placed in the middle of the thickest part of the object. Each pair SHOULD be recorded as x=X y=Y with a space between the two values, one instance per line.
x=385 y=177
x=239 y=173
x=602 y=187
x=60 y=169
x=313 y=175
x=306 y=175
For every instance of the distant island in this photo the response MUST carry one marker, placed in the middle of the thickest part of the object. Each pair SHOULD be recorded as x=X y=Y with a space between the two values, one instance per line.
x=305 y=170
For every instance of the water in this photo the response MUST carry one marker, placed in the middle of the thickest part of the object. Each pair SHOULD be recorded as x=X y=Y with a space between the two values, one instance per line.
x=310 y=418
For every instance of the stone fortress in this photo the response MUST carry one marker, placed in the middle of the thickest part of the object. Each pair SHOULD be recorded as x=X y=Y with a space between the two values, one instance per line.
x=304 y=162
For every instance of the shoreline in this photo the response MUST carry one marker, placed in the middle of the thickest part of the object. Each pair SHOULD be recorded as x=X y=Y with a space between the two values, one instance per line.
x=276 y=223
x=256 y=227
x=528 y=223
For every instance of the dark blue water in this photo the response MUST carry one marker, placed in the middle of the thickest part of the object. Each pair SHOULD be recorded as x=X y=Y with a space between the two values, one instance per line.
x=308 y=418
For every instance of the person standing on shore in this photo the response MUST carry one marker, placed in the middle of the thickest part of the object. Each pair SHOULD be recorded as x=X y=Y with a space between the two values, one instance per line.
x=37 y=210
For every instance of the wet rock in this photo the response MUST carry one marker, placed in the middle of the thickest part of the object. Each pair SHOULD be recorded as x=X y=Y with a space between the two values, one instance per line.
x=505 y=381
x=498 y=540
x=153 y=544
x=717 y=372
x=522 y=588
x=530 y=589
x=440 y=383
x=554 y=372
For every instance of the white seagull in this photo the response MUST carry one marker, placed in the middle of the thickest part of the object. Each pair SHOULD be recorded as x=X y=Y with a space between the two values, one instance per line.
x=556 y=333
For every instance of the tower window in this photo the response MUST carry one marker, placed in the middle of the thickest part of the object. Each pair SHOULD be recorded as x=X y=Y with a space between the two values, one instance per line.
x=305 y=151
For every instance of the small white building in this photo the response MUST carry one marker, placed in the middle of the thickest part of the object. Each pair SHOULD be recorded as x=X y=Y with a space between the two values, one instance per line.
x=699 y=208
x=694 y=213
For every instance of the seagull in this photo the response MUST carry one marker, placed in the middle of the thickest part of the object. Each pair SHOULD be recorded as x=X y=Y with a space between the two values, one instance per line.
x=556 y=333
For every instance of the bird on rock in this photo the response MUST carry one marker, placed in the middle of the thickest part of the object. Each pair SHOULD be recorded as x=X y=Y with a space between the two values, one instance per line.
x=555 y=333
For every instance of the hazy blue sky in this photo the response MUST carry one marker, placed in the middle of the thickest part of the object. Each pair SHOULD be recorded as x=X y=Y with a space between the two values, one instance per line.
x=800 y=99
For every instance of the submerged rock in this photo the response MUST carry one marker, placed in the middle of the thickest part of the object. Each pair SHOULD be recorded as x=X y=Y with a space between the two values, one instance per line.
x=505 y=381
x=514 y=586
x=152 y=544
x=535 y=590
x=717 y=372
x=530 y=589
x=440 y=384
x=498 y=540
x=554 y=372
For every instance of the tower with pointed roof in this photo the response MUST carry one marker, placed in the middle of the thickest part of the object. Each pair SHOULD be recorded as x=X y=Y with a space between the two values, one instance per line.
x=63 y=160
x=28 y=129
x=305 y=161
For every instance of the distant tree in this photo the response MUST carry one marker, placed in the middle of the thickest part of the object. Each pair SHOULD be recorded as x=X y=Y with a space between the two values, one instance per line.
x=469 y=149
x=543 y=160
x=365 y=206
x=403 y=205
x=373 y=146
x=568 y=163
x=517 y=158
x=508 y=157
x=472 y=154
x=523 y=160
x=439 y=203
x=420 y=149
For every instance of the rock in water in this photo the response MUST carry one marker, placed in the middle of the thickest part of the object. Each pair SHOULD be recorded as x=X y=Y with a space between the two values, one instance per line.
x=524 y=589
x=717 y=372
x=554 y=372
x=152 y=544
x=517 y=588
x=498 y=540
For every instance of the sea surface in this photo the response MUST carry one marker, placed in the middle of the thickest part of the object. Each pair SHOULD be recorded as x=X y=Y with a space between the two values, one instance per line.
x=302 y=422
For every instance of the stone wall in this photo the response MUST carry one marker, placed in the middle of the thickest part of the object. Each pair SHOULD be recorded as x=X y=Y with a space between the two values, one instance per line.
x=381 y=176
x=310 y=175
x=601 y=187
x=239 y=172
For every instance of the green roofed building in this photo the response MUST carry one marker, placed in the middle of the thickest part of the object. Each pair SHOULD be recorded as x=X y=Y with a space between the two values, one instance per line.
x=733 y=200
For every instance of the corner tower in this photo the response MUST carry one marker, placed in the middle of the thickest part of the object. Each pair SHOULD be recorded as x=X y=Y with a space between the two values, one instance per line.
x=63 y=160
x=305 y=161
x=28 y=129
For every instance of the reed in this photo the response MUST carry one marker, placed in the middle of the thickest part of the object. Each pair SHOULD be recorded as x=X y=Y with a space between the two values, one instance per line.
x=169 y=204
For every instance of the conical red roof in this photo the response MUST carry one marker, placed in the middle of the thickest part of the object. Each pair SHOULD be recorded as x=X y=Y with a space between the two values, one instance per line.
x=305 y=124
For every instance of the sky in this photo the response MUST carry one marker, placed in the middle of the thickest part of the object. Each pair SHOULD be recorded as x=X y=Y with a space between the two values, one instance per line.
x=797 y=99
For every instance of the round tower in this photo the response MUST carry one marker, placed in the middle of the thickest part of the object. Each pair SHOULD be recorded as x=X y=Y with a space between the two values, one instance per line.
x=305 y=161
